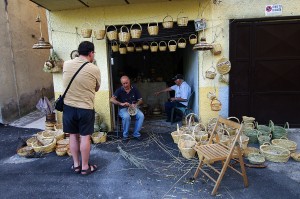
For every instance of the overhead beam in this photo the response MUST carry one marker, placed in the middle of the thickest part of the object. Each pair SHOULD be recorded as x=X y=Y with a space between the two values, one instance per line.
x=127 y=1
x=84 y=3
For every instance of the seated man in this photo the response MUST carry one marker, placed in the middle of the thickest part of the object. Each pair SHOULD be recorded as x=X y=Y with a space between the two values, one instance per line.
x=128 y=96
x=182 y=92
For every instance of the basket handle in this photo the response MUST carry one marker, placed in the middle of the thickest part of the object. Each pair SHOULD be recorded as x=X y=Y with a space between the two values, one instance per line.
x=122 y=27
x=138 y=25
x=271 y=125
x=286 y=126
x=154 y=42
x=193 y=35
x=284 y=138
x=86 y=23
x=162 y=42
x=111 y=26
x=237 y=119
x=180 y=39
x=153 y=22
x=199 y=124
x=124 y=45
x=114 y=43
x=214 y=69
x=168 y=16
x=258 y=133
x=172 y=41
x=181 y=12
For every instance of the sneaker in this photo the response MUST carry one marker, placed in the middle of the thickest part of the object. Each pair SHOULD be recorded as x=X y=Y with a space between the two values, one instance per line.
x=138 y=138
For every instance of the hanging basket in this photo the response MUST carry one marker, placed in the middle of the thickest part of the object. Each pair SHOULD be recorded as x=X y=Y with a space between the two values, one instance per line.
x=285 y=143
x=168 y=23
x=162 y=46
x=86 y=30
x=215 y=105
x=145 y=46
x=153 y=46
x=136 y=33
x=153 y=29
x=114 y=46
x=193 y=39
x=172 y=45
x=124 y=34
x=111 y=33
x=130 y=47
x=122 y=49
x=182 y=21
x=99 y=34
x=211 y=73
x=181 y=42
x=275 y=153
x=279 y=132
x=138 y=48
x=217 y=49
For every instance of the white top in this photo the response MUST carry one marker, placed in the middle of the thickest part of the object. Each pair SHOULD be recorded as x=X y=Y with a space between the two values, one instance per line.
x=183 y=91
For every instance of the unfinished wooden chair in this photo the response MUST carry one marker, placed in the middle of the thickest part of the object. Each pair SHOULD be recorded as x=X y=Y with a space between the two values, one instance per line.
x=214 y=152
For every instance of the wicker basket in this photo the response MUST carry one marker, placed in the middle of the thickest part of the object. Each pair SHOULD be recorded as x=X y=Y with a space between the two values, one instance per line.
x=296 y=156
x=86 y=30
x=185 y=144
x=182 y=21
x=124 y=34
x=61 y=151
x=181 y=42
x=172 y=45
x=256 y=158
x=138 y=48
x=249 y=150
x=25 y=151
x=279 y=132
x=285 y=143
x=200 y=135
x=265 y=130
x=176 y=135
x=153 y=46
x=99 y=34
x=232 y=131
x=153 y=29
x=31 y=140
x=252 y=134
x=114 y=46
x=122 y=49
x=193 y=39
x=145 y=46
x=275 y=153
x=217 y=49
x=99 y=137
x=168 y=23
x=223 y=66
x=162 y=46
x=46 y=148
x=130 y=47
x=263 y=138
x=111 y=33
x=136 y=33
x=215 y=105
x=211 y=73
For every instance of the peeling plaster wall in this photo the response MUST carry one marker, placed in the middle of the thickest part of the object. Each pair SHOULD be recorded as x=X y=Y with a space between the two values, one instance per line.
x=63 y=25
x=21 y=67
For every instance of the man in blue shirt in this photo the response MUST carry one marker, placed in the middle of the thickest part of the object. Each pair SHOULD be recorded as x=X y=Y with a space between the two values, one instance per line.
x=182 y=93
x=125 y=97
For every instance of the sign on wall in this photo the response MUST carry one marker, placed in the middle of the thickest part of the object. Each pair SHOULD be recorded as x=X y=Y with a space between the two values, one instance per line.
x=273 y=10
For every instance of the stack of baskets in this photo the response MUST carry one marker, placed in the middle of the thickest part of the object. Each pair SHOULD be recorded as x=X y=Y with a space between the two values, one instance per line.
x=45 y=142
x=62 y=147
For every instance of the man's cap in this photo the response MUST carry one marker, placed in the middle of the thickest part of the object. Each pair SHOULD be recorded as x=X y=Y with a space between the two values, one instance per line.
x=178 y=76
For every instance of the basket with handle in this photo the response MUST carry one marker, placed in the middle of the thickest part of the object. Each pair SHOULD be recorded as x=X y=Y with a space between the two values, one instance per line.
x=285 y=143
x=130 y=47
x=193 y=39
x=162 y=45
x=181 y=42
x=153 y=29
x=182 y=21
x=201 y=134
x=99 y=137
x=215 y=105
x=172 y=45
x=217 y=48
x=176 y=134
x=190 y=120
x=122 y=49
x=249 y=150
x=111 y=33
x=275 y=153
x=168 y=22
x=86 y=30
x=211 y=73
x=231 y=130
x=124 y=34
x=256 y=158
x=263 y=138
x=114 y=46
x=279 y=131
x=99 y=34
x=185 y=144
x=252 y=134
x=265 y=130
x=145 y=46
x=136 y=32
x=138 y=48
x=153 y=46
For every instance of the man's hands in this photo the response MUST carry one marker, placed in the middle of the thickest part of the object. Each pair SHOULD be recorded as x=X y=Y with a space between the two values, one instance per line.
x=125 y=104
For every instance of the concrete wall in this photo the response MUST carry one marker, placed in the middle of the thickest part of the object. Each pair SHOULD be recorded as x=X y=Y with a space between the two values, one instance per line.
x=65 y=39
x=21 y=66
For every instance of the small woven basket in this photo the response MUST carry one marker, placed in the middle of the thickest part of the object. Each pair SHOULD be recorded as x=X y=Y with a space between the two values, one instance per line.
x=182 y=21
x=193 y=39
x=172 y=45
x=136 y=33
x=99 y=34
x=124 y=34
x=111 y=33
x=86 y=30
x=61 y=151
x=285 y=143
x=275 y=153
x=153 y=29
x=256 y=158
x=263 y=138
x=145 y=46
x=181 y=42
x=296 y=156
x=264 y=129
x=46 y=148
x=153 y=46
x=215 y=105
x=249 y=150
x=279 y=132
x=217 y=49
x=162 y=46
x=232 y=131
x=211 y=73
x=130 y=47
x=99 y=137
x=185 y=144
x=252 y=134
x=114 y=46
x=122 y=49
x=168 y=23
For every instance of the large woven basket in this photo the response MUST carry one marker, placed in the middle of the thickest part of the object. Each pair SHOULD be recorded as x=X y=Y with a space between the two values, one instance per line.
x=153 y=29
x=275 y=153
x=99 y=34
x=279 y=132
x=285 y=143
x=172 y=45
x=162 y=46
x=136 y=32
x=46 y=148
x=111 y=33
x=182 y=21
x=193 y=39
x=181 y=42
x=153 y=46
x=124 y=34
x=86 y=30
x=168 y=22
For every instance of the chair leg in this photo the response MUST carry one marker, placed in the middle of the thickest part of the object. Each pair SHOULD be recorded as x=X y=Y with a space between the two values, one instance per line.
x=201 y=161
x=172 y=115
x=244 y=175
x=224 y=168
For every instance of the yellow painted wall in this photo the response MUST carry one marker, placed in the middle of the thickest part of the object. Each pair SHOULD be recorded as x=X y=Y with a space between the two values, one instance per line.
x=63 y=25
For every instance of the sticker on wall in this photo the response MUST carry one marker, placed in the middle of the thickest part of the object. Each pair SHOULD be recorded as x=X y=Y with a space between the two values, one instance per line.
x=273 y=10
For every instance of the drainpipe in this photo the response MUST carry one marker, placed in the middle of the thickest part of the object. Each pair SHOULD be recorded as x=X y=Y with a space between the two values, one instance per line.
x=13 y=59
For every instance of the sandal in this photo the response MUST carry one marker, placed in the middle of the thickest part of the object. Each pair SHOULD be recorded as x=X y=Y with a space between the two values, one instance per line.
x=89 y=170
x=76 y=169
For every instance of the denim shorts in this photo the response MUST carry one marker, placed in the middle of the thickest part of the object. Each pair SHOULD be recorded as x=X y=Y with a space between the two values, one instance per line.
x=78 y=120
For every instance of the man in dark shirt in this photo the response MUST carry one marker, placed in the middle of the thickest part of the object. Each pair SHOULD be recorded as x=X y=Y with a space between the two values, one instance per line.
x=126 y=97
